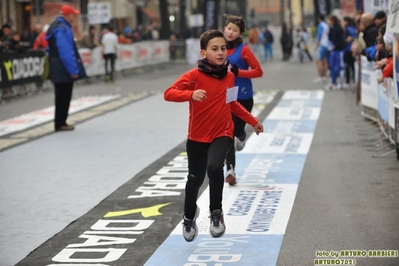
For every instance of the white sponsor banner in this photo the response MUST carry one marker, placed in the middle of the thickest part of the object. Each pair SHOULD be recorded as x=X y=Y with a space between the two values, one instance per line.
x=392 y=97
x=380 y=4
x=369 y=92
x=279 y=144
x=303 y=95
x=393 y=18
x=36 y=118
x=248 y=209
x=128 y=56
x=99 y=13
x=281 y=113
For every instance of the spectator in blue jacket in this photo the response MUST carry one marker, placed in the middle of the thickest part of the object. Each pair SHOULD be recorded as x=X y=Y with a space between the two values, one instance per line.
x=65 y=63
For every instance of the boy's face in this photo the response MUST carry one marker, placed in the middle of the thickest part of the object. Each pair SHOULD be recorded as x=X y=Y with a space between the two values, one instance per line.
x=216 y=52
x=232 y=32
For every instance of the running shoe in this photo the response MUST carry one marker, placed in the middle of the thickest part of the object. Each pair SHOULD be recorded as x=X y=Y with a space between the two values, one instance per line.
x=231 y=177
x=190 y=229
x=217 y=226
x=318 y=80
x=239 y=144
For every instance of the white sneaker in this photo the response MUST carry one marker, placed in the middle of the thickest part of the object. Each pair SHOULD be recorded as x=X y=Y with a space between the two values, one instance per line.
x=231 y=177
x=325 y=79
x=318 y=80
x=329 y=87
x=346 y=86
x=190 y=229
x=217 y=226
x=239 y=144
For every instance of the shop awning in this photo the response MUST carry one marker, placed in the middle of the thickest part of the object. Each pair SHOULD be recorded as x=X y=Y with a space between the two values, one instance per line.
x=152 y=15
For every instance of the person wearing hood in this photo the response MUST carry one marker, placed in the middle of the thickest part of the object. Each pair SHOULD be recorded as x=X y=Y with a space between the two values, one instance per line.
x=65 y=63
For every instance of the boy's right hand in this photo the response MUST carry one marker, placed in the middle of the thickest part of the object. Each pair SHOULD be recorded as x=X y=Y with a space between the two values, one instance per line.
x=258 y=128
x=198 y=95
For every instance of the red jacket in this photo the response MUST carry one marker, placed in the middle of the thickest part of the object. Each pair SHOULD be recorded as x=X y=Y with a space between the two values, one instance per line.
x=387 y=72
x=40 y=41
x=210 y=118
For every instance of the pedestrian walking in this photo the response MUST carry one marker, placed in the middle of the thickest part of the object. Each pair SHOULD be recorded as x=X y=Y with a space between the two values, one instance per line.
x=302 y=43
x=337 y=48
x=322 y=52
x=268 y=43
x=210 y=91
x=245 y=66
x=65 y=63
x=109 y=42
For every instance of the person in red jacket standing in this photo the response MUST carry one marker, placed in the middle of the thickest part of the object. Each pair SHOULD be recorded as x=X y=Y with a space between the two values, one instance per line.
x=212 y=98
x=40 y=41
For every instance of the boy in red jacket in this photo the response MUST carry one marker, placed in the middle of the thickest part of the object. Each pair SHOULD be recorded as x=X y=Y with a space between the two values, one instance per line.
x=210 y=91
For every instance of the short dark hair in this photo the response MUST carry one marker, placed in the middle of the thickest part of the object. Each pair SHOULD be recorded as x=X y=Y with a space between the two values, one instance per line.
x=380 y=15
x=8 y=26
x=321 y=17
x=209 y=35
x=237 y=20
x=334 y=19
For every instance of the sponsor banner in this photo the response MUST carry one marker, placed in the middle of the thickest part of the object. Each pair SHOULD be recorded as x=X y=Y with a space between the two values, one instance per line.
x=279 y=144
x=256 y=209
x=227 y=250
x=392 y=96
x=300 y=94
x=129 y=56
x=383 y=100
x=211 y=12
x=393 y=19
x=279 y=113
x=20 y=68
x=269 y=168
x=369 y=92
x=35 y=118
x=380 y=5
x=289 y=126
x=300 y=103
x=99 y=13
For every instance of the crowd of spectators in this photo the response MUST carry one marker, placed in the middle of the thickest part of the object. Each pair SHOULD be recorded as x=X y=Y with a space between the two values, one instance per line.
x=13 y=41
x=347 y=39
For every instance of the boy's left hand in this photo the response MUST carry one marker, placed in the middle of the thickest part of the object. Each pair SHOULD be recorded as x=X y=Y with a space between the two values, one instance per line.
x=258 y=128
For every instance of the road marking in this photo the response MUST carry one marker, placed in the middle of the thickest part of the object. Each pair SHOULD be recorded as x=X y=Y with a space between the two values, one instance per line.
x=29 y=126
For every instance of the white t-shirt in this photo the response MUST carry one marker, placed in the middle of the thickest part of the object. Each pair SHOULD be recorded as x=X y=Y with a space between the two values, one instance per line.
x=109 y=42
x=323 y=32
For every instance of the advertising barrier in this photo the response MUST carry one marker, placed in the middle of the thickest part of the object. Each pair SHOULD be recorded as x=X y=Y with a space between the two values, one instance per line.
x=128 y=56
x=20 y=68
x=27 y=67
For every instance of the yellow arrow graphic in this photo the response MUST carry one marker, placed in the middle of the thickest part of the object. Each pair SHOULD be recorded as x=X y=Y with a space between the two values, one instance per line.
x=145 y=212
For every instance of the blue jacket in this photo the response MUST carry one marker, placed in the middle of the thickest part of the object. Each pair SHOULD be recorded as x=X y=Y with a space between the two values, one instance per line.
x=352 y=32
x=64 y=56
x=245 y=90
